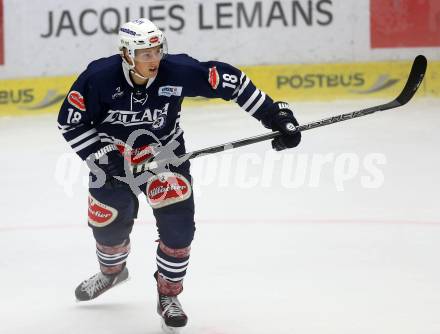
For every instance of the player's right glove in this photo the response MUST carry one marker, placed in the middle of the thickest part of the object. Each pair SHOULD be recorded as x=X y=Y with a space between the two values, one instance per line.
x=108 y=160
x=281 y=118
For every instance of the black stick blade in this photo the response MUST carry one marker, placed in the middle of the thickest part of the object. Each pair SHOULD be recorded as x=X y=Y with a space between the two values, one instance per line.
x=415 y=78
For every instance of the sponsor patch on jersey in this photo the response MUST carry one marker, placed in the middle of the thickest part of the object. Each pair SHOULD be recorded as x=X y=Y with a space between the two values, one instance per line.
x=166 y=189
x=214 y=78
x=100 y=215
x=136 y=155
x=170 y=91
x=77 y=100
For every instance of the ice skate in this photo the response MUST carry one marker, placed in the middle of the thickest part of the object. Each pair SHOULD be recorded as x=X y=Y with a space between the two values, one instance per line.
x=171 y=312
x=98 y=284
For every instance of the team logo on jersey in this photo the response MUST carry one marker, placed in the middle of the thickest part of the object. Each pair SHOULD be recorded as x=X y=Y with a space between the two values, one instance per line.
x=141 y=100
x=100 y=215
x=77 y=100
x=213 y=78
x=156 y=118
x=170 y=91
x=167 y=188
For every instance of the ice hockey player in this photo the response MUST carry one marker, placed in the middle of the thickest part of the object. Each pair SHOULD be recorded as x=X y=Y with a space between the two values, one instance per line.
x=142 y=88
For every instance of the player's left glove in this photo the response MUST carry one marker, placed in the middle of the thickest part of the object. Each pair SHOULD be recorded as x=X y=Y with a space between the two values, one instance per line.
x=109 y=161
x=281 y=118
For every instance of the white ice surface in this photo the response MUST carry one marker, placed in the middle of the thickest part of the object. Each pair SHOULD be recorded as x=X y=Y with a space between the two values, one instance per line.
x=269 y=257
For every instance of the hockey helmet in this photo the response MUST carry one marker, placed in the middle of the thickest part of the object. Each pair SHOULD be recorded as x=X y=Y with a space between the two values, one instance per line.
x=141 y=34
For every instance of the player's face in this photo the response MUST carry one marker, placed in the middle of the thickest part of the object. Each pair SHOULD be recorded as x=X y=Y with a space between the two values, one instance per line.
x=147 y=61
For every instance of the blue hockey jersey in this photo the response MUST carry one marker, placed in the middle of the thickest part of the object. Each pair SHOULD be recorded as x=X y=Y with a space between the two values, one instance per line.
x=104 y=106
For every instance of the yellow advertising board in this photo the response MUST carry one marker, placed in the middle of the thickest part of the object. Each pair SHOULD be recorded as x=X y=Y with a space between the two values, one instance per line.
x=325 y=82
x=322 y=82
x=432 y=83
x=33 y=95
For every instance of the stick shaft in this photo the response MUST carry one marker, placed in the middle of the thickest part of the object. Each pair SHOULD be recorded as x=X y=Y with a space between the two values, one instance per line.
x=415 y=78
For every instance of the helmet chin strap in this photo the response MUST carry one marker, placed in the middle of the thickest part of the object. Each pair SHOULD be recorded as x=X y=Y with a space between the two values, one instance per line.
x=131 y=69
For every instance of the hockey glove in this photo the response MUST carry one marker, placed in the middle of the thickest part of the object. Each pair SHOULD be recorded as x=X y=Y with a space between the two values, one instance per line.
x=108 y=160
x=281 y=118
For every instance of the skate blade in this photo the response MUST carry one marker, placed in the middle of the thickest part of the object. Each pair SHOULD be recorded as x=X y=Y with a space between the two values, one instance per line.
x=170 y=330
x=116 y=285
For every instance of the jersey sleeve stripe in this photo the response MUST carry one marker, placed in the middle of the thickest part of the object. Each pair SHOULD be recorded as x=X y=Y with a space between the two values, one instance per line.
x=63 y=131
x=64 y=127
x=242 y=88
x=83 y=136
x=67 y=128
x=258 y=104
x=86 y=144
x=251 y=99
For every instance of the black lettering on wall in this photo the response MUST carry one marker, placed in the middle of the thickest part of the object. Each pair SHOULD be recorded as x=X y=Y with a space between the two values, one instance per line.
x=325 y=12
x=66 y=23
x=176 y=17
x=202 y=25
x=153 y=15
x=81 y=22
x=256 y=10
x=113 y=29
x=221 y=14
x=50 y=31
x=276 y=13
x=307 y=16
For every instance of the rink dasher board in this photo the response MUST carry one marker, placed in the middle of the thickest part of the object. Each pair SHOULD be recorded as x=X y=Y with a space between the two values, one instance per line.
x=294 y=82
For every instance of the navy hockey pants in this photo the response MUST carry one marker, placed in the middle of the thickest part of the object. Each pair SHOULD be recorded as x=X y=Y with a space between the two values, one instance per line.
x=112 y=209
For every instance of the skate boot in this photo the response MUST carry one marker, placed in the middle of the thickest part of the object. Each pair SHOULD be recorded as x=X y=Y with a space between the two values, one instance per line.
x=173 y=317
x=98 y=284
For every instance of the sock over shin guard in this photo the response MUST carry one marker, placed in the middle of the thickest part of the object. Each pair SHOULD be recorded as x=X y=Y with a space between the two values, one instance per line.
x=171 y=267
x=112 y=259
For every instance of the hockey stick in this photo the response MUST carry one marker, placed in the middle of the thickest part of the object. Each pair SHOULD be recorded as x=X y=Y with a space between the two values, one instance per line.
x=415 y=78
